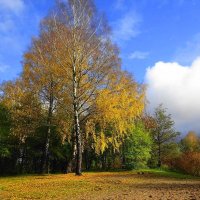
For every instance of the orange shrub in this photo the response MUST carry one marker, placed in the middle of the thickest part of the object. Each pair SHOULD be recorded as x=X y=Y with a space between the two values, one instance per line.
x=189 y=163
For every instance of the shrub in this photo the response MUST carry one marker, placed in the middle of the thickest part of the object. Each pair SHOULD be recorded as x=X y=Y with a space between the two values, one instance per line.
x=137 y=148
x=189 y=163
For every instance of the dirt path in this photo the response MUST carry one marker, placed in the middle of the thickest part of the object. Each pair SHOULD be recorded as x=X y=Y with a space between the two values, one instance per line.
x=146 y=186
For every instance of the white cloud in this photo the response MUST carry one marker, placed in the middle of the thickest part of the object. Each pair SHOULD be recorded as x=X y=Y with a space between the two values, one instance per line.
x=139 y=55
x=178 y=88
x=12 y=5
x=126 y=27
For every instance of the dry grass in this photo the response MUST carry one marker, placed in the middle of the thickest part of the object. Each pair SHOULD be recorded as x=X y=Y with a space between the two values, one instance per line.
x=103 y=185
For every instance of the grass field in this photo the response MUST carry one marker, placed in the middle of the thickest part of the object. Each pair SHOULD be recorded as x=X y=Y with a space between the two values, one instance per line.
x=153 y=184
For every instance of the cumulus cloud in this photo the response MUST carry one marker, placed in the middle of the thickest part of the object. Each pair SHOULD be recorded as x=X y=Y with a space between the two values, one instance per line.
x=178 y=88
x=139 y=55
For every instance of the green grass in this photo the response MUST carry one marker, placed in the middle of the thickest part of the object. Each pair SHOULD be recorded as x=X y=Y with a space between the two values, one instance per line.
x=168 y=173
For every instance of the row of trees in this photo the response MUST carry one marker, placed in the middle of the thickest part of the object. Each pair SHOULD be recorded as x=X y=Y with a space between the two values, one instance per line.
x=142 y=145
x=188 y=160
x=73 y=106
x=72 y=90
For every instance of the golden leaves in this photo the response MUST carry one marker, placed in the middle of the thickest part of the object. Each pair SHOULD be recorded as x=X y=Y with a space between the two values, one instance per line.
x=117 y=106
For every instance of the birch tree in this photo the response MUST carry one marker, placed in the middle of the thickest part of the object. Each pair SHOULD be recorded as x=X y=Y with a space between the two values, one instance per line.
x=74 y=67
x=89 y=58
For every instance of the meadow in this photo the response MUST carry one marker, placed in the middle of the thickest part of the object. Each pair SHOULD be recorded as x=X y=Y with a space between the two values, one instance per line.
x=150 y=184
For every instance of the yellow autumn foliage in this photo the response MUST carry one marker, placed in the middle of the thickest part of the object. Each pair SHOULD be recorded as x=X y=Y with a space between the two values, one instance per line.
x=24 y=108
x=117 y=106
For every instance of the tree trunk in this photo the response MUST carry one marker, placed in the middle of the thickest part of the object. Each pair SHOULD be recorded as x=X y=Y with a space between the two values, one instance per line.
x=78 y=146
x=77 y=132
x=45 y=166
x=71 y=161
x=159 y=156
x=22 y=152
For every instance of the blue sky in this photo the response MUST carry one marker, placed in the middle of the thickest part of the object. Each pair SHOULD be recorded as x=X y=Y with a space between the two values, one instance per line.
x=146 y=31
x=157 y=30
x=159 y=41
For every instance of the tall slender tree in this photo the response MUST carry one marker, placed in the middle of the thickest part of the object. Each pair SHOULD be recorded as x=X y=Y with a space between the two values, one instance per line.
x=89 y=58
x=163 y=131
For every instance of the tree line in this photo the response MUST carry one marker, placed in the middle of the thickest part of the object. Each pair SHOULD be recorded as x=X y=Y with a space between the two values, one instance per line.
x=74 y=108
x=72 y=87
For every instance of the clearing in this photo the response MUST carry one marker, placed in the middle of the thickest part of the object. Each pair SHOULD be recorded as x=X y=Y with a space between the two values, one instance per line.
x=155 y=185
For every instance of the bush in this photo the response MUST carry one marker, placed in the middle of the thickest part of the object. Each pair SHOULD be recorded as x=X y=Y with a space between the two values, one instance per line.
x=189 y=163
x=137 y=148
x=171 y=152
